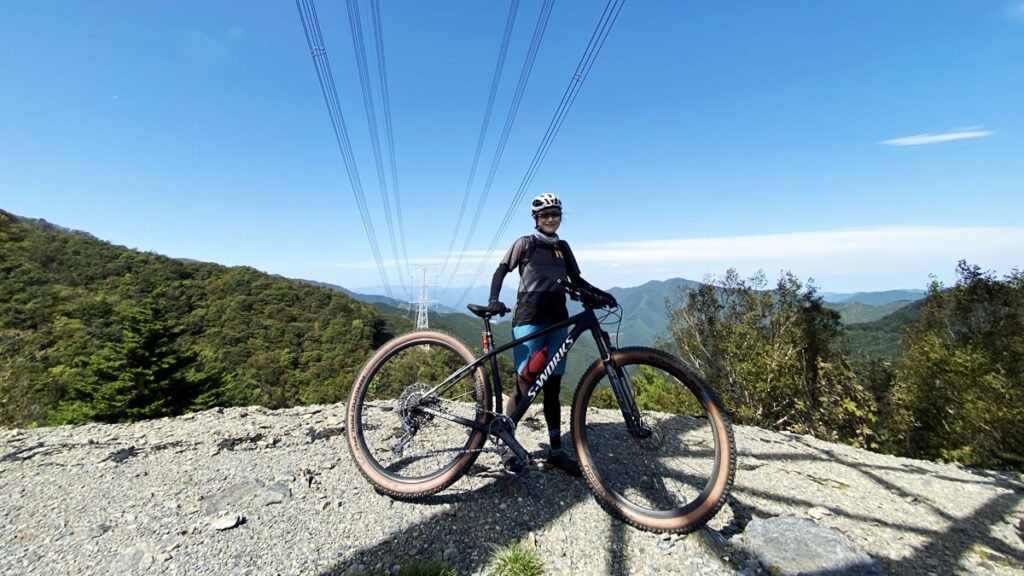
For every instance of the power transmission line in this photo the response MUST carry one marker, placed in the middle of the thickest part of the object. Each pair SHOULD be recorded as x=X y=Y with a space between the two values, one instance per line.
x=495 y=81
x=318 y=51
x=597 y=40
x=359 y=46
x=389 y=132
x=524 y=77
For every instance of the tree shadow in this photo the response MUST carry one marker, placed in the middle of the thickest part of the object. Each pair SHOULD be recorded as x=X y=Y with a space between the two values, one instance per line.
x=948 y=541
x=492 y=509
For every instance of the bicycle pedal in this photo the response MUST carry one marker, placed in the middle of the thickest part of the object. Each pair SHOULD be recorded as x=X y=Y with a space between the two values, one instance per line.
x=512 y=463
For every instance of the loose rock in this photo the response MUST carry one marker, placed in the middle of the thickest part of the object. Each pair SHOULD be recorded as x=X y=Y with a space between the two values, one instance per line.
x=144 y=498
x=226 y=521
x=790 y=546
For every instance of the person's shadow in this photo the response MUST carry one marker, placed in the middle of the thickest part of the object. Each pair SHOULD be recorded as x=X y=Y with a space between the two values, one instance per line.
x=490 y=509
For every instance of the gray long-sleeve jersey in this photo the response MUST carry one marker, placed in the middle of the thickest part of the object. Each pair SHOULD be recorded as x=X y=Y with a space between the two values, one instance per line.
x=540 y=300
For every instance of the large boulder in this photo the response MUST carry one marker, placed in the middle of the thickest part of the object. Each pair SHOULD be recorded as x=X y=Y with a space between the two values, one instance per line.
x=789 y=546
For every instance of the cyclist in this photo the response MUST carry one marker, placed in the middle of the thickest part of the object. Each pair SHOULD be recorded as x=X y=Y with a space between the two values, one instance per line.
x=542 y=259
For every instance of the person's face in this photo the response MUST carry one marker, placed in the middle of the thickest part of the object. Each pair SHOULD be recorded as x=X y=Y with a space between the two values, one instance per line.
x=549 y=220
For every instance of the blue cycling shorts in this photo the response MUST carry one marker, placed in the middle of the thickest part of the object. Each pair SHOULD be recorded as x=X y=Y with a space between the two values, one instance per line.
x=552 y=340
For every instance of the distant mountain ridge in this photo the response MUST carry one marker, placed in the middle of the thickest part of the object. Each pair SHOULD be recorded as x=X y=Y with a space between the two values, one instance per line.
x=883 y=338
x=645 y=319
x=873 y=298
x=646 y=315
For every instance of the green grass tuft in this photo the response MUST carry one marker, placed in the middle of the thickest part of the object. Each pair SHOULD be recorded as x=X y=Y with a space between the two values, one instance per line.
x=516 y=560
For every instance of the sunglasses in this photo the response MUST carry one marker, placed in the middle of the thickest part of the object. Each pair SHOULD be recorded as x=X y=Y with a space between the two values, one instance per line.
x=549 y=215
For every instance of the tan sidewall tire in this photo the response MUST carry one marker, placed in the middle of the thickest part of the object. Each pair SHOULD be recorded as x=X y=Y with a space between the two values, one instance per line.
x=725 y=447
x=391 y=486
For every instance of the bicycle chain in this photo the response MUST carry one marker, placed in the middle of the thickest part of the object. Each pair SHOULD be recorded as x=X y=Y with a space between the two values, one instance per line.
x=498 y=417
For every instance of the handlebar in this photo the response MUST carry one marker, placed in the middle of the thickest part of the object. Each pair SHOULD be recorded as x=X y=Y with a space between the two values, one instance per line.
x=583 y=294
x=580 y=293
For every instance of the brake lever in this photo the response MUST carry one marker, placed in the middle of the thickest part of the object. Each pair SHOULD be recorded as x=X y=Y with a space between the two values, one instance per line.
x=571 y=290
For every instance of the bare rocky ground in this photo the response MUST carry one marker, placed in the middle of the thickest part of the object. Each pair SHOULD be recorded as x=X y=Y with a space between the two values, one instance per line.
x=252 y=491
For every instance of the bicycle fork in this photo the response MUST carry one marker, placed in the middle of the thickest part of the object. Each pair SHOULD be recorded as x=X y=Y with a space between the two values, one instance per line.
x=622 y=389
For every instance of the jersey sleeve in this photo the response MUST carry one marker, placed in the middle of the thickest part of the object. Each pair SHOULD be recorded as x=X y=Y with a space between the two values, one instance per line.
x=514 y=254
x=572 y=268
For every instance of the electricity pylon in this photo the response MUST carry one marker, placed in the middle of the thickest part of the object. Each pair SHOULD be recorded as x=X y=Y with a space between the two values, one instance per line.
x=423 y=304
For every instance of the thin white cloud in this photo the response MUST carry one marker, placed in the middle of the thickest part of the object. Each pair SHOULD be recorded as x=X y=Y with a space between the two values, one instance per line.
x=922 y=139
x=866 y=258
x=882 y=242
x=875 y=258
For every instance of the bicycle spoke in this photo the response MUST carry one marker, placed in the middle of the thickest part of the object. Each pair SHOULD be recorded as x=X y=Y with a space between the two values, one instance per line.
x=656 y=481
x=405 y=424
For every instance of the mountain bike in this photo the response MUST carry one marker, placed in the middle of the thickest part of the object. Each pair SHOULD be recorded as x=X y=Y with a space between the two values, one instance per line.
x=653 y=441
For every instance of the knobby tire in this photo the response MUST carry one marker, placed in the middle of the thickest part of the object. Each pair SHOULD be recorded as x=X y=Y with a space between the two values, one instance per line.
x=673 y=481
x=400 y=374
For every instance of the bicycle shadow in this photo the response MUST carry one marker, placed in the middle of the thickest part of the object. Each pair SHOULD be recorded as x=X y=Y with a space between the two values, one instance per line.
x=913 y=517
x=490 y=509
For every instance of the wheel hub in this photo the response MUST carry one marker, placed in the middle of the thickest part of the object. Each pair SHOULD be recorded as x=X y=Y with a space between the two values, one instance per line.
x=417 y=395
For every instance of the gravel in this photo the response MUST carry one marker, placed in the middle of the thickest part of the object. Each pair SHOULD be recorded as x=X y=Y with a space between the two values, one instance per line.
x=253 y=491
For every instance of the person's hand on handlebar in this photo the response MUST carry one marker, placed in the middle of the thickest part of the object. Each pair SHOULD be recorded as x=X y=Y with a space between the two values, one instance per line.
x=594 y=296
x=607 y=300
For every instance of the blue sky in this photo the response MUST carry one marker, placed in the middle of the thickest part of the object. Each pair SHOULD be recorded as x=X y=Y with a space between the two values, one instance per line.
x=866 y=144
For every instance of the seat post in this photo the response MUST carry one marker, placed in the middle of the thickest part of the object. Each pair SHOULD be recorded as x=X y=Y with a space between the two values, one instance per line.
x=488 y=335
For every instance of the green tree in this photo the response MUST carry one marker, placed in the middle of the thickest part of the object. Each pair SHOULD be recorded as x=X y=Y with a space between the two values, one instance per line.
x=64 y=294
x=959 y=388
x=774 y=355
x=145 y=374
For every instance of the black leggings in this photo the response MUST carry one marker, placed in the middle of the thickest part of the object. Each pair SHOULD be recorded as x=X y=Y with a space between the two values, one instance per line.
x=552 y=404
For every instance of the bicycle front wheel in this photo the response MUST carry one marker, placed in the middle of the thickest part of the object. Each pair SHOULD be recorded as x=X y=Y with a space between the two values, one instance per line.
x=402 y=428
x=676 y=475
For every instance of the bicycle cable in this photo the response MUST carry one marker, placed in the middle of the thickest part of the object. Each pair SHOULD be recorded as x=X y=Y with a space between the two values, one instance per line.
x=617 y=321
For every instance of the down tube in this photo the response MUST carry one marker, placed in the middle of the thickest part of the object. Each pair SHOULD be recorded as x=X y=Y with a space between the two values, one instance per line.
x=549 y=368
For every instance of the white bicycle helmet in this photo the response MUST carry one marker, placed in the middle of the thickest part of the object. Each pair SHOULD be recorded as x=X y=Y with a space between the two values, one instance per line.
x=544 y=201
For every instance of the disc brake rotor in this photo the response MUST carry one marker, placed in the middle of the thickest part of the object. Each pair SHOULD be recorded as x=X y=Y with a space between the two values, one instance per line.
x=654 y=440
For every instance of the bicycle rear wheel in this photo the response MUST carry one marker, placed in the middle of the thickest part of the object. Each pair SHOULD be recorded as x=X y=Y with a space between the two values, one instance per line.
x=398 y=427
x=678 y=476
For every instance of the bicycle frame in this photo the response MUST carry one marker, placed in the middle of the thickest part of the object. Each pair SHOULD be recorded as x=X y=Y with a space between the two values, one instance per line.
x=585 y=321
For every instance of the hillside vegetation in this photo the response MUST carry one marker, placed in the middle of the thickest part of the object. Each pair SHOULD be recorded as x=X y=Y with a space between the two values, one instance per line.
x=92 y=331
x=74 y=308
x=781 y=359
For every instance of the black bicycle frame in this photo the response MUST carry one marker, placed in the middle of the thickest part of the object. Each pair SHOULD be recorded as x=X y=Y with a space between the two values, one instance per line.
x=582 y=322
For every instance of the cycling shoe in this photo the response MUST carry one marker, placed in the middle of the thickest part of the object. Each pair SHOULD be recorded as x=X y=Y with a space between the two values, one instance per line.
x=564 y=462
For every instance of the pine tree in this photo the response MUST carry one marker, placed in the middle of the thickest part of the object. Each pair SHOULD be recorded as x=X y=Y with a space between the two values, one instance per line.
x=144 y=374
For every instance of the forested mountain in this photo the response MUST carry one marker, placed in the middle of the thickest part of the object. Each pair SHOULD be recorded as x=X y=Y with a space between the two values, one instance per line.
x=883 y=338
x=92 y=331
x=282 y=342
x=858 y=312
x=875 y=330
x=72 y=306
x=645 y=319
